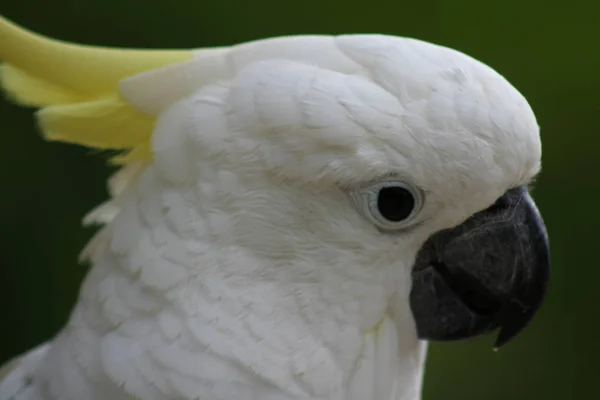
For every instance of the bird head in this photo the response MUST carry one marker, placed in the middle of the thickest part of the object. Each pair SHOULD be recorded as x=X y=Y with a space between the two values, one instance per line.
x=377 y=168
x=391 y=160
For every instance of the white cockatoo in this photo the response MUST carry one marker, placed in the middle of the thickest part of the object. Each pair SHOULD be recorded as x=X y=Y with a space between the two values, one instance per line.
x=294 y=217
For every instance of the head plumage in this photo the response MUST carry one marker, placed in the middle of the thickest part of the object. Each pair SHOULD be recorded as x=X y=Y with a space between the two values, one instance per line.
x=76 y=88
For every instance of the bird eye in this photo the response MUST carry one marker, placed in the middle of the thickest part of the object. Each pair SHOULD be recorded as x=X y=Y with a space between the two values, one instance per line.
x=389 y=204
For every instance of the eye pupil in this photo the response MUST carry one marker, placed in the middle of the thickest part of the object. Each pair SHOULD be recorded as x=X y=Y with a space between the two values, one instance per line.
x=395 y=203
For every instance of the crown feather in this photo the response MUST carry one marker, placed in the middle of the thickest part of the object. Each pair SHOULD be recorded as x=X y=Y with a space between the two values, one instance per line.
x=77 y=88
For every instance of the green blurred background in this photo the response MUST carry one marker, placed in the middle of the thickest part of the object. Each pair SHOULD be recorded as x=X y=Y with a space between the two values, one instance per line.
x=549 y=50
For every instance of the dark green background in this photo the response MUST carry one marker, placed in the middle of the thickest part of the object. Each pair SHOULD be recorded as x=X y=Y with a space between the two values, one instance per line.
x=549 y=50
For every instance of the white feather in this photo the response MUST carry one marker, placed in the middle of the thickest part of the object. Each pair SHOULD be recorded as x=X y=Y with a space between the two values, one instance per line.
x=234 y=266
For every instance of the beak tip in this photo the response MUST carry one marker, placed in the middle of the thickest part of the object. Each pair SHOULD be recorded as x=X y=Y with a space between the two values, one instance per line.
x=503 y=338
x=513 y=320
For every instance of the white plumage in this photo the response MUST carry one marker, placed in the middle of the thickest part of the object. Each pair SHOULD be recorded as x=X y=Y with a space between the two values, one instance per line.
x=234 y=266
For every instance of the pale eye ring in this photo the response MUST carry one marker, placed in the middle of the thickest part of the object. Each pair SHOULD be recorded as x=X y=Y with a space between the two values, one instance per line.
x=389 y=204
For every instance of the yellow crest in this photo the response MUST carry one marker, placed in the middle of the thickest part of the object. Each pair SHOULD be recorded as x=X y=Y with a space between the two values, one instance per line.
x=76 y=87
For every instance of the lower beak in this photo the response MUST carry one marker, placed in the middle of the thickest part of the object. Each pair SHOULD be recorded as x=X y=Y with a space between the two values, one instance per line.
x=489 y=272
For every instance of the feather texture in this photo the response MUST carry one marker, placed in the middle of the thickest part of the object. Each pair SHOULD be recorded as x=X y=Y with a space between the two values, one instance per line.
x=232 y=264
x=77 y=86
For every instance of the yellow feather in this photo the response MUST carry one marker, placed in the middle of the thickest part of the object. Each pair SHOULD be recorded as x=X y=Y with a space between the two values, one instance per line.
x=105 y=123
x=78 y=87
x=85 y=70
x=142 y=152
x=29 y=90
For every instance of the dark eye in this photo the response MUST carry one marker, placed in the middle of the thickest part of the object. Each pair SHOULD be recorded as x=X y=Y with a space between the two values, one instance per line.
x=395 y=203
x=389 y=204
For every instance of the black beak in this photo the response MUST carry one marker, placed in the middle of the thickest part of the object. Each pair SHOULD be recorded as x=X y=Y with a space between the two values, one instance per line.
x=490 y=272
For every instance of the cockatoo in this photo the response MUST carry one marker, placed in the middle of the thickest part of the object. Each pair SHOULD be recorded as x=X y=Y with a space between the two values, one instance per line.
x=294 y=217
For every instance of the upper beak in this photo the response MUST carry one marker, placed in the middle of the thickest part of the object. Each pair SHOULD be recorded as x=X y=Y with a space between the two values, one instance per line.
x=489 y=272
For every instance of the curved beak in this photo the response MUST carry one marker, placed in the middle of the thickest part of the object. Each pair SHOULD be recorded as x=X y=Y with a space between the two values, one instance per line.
x=489 y=272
